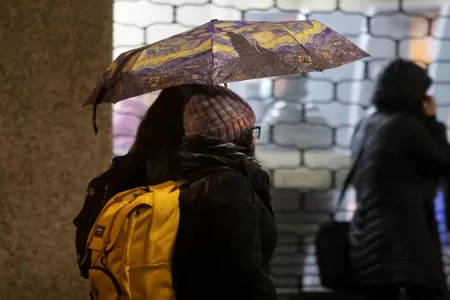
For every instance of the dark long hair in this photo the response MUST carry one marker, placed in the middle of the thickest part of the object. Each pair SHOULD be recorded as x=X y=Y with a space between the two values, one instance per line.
x=159 y=135
x=401 y=86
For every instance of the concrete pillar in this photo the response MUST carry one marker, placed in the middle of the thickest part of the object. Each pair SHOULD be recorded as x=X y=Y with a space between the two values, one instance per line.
x=52 y=52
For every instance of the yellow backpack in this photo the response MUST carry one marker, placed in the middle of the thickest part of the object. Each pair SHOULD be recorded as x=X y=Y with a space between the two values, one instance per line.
x=132 y=245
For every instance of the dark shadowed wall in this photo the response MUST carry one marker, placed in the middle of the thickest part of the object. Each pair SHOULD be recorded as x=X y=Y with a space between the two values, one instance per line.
x=51 y=53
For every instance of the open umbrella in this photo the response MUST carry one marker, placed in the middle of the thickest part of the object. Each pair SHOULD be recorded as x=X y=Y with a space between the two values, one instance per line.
x=225 y=51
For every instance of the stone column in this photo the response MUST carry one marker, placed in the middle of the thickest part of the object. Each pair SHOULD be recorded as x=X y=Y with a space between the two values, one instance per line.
x=52 y=52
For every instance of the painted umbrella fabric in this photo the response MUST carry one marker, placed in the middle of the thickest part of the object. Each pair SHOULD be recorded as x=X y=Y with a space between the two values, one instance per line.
x=225 y=51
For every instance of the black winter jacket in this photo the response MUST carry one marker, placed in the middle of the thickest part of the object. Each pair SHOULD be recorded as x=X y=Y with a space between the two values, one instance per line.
x=394 y=235
x=227 y=232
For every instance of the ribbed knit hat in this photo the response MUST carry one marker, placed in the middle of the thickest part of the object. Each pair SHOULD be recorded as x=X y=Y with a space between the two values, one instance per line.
x=219 y=112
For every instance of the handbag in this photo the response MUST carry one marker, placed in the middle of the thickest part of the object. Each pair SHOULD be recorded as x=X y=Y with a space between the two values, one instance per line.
x=333 y=245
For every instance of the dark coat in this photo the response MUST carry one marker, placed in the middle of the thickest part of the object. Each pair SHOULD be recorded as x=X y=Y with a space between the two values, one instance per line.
x=227 y=232
x=394 y=235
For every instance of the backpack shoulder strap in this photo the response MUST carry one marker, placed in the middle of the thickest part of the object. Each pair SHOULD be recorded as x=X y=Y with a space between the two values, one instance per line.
x=351 y=173
x=349 y=178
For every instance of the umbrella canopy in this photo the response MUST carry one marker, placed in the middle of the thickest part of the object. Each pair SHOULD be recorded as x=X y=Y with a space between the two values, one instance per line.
x=225 y=51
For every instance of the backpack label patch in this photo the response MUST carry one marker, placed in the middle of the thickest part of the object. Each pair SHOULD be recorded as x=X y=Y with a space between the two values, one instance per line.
x=99 y=230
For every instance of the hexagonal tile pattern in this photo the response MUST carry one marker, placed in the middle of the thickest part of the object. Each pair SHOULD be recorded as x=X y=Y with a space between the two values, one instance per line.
x=303 y=136
x=302 y=178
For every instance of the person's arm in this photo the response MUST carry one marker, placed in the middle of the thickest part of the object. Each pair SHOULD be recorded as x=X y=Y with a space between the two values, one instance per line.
x=437 y=130
x=236 y=229
x=439 y=133
x=422 y=146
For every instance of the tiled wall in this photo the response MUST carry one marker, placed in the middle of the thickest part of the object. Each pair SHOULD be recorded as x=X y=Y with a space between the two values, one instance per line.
x=299 y=216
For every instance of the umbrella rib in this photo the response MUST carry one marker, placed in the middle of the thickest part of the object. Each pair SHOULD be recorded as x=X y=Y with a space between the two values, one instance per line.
x=212 y=52
x=303 y=47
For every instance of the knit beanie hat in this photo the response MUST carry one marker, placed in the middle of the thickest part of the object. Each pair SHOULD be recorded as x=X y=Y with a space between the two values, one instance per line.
x=219 y=112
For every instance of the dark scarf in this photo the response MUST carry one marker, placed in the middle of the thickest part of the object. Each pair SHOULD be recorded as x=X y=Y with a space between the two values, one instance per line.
x=201 y=156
